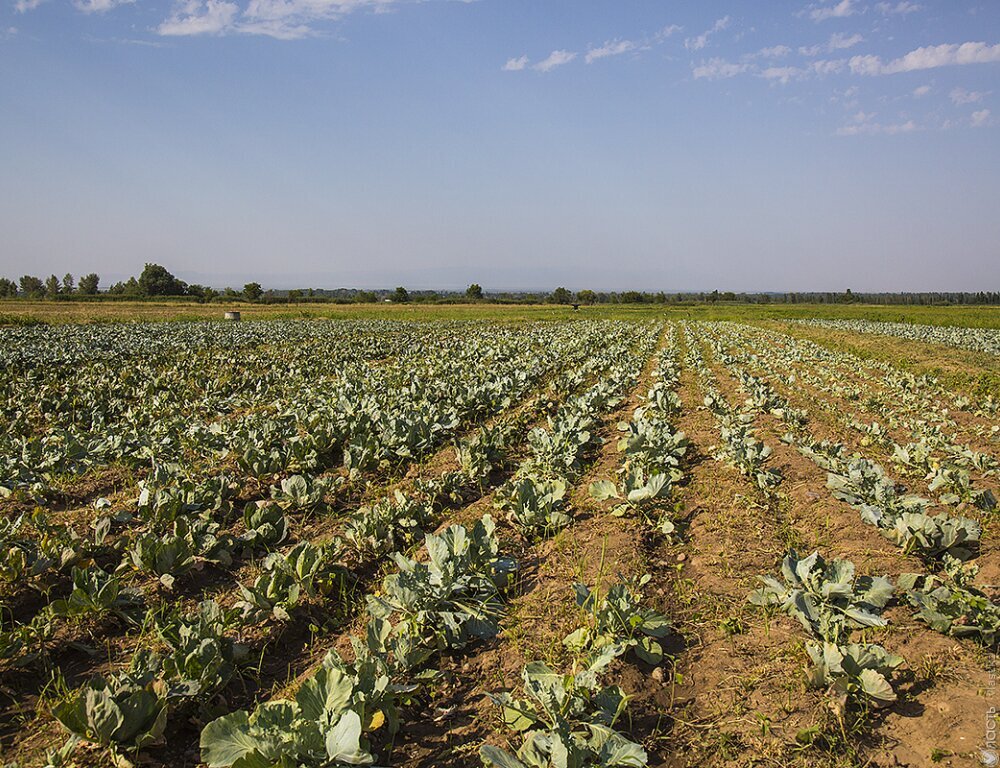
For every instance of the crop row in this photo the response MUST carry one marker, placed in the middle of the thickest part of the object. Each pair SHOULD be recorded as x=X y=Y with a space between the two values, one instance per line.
x=945 y=598
x=307 y=569
x=268 y=408
x=945 y=465
x=976 y=339
x=740 y=446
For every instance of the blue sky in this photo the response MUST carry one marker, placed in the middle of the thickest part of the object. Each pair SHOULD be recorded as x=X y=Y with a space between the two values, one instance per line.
x=516 y=143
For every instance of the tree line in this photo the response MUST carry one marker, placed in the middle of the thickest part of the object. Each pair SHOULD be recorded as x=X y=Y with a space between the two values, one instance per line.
x=157 y=281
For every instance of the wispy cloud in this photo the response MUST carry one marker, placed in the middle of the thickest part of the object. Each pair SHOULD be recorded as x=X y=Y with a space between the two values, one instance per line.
x=200 y=17
x=99 y=6
x=901 y=8
x=555 y=59
x=23 y=6
x=281 y=19
x=783 y=75
x=980 y=119
x=864 y=123
x=699 y=42
x=960 y=96
x=921 y=91
x=516 y=64
x=837 y=42
x=773 y=52
x=929 y=57
x=718 y=69
x=840 y=10
x=610 y=48
x=828 y=66
x=668 y=31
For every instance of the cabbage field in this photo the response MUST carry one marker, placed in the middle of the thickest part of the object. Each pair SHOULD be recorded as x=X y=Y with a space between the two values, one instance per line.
x=326 y=543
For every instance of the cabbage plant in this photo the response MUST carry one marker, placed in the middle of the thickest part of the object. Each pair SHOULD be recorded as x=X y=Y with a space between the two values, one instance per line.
x=951 y=604
x=619 y=618
x=828 y=599
x=326 y=725
x=451 y=599
x=853 y=672
x=116 y=713
x=566 y=720
x=536 y=507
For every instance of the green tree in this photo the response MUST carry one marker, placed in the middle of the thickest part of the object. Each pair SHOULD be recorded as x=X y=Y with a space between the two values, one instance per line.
x=586 y=296
x=561 y=296
x=474 y=292
x=201 y=292
x=68 y=284
x=32 y=287
x=52 y=287
x=88 y=284
x=401 y=295
x=155 y=280
x=8 y=288
x=294 y=295
x=252 y=291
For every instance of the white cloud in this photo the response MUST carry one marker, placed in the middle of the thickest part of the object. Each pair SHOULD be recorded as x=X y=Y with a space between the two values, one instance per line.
x=555 y=59
x=615 y=47
x=866 y=65
x=837 y=42
x=98 y=6
x=960 y=96
x=23 y=6
x=668 y=31
x=838 y=11
x=840 y=42
x=929 y=57
x=195 y=17
x=774 y=52
x=921 y=91
x=981 y=118
x=828 y=66
x=699 y=42
x=847 y=98
x=864 y=125
x=718 y=69
x=276 y=28
x=781 y=74
x=610 y=48
x=281 y=19
x=901 y=8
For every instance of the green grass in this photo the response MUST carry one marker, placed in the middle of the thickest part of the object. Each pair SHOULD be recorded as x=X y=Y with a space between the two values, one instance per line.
x=20 y=311
x=975 y=373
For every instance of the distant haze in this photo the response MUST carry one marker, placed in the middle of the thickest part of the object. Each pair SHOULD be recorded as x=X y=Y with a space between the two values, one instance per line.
x=522 y=144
